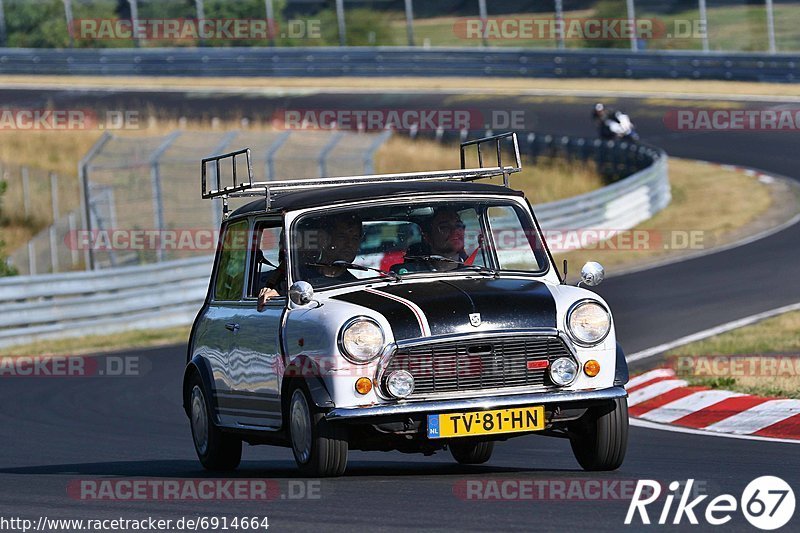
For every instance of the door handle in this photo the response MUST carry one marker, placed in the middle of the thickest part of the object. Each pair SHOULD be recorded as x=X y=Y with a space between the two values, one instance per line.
x=232 y=327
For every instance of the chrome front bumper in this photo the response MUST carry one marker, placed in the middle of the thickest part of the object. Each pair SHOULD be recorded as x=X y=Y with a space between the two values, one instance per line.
x=476 y=404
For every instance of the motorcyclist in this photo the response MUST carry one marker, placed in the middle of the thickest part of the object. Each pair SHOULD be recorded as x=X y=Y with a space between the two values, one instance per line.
x=613 y=125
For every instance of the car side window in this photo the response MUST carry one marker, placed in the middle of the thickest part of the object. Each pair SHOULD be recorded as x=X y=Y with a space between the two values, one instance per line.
x=268 y=262
x=229 y=282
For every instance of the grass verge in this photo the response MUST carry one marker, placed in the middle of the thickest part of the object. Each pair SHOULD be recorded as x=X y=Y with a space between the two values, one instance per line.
x=101 y=343
x=761 y=359
x=710 y=206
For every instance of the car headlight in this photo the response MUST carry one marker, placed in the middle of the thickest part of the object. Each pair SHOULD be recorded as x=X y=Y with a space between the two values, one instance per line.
x=361 y=340
x=588 y=322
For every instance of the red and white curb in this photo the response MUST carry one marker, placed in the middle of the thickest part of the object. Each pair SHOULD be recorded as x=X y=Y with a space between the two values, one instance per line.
x=659 y=396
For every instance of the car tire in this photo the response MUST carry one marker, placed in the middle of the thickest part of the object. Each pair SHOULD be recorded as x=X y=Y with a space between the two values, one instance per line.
x=471 y=452
x=217 y=451
x=319 y=447
x=600 y=437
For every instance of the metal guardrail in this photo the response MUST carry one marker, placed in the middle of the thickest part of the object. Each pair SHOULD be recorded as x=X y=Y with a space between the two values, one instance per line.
x=170 y=293
x=403 y=61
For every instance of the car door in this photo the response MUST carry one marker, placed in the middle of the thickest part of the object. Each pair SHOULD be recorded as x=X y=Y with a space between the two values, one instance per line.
x=256 y=365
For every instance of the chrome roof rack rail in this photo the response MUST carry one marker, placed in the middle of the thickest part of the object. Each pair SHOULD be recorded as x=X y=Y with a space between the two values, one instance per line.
x=270 y=189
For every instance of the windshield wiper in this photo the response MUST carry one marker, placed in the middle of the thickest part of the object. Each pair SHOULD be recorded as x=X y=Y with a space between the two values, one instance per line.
x=443 y=259
x=355 y=266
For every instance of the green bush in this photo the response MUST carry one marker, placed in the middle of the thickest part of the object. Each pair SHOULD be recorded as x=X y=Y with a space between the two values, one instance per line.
x=363 y=27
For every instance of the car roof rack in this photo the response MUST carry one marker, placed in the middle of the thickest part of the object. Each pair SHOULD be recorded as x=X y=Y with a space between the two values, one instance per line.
x=271 y=189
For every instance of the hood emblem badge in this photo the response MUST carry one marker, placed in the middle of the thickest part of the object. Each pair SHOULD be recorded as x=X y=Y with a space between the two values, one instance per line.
x=475 y=319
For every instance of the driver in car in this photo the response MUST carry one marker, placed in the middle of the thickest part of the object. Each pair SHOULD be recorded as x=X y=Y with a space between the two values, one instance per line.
x=339 y=240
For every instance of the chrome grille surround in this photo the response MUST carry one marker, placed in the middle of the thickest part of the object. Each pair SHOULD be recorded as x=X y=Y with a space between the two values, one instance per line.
x=493 y=361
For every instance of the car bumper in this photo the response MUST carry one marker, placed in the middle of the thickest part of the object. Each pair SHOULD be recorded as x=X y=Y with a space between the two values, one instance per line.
x=476 y=404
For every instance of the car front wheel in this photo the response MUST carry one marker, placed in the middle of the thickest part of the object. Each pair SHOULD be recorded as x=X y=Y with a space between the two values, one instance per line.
x=600 y=437
x=320 y=448
x=471 y=452
x=215 y=449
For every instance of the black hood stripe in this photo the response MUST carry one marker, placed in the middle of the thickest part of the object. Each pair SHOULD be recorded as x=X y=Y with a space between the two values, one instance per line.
x=400 y=316
x=421 y=318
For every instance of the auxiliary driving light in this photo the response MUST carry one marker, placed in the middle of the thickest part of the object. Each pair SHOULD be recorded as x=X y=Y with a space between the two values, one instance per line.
x=563 y=371
x=591 y=368
x=363 y=385
x=400 y=383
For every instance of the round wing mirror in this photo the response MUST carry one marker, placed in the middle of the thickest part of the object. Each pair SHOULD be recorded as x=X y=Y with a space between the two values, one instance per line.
x=301 y=292
x=592 y=274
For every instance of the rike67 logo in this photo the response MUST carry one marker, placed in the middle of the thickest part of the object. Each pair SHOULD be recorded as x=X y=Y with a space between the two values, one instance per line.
x=767 y=503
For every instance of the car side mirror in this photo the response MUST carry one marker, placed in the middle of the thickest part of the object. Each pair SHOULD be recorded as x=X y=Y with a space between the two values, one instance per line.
x=592 y=274
x=301 y=292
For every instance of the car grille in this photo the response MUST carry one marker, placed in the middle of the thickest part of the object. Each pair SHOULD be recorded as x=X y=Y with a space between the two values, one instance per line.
x=476 y=364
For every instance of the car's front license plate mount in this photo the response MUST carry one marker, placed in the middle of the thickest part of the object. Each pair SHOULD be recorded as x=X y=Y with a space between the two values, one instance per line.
x=476 y=423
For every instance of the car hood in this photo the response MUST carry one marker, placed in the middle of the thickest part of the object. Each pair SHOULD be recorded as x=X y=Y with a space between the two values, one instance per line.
x=442 y=307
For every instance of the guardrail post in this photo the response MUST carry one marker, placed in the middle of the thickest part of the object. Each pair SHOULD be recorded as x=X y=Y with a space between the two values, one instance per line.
x=31 y=258
x=201 y=14
x=771 y=27
x=2 y=24
x=73 y=227
x=270 y=22
x=68 y=15
x=369 y=154
x=53 y=248
x=134 y=21
x=341 y=22
x=484 y=21
x=26 y=191
x=704 y=23
x=83 y=179
x=410 y=21
x=155 y=181
x=559 y=8
x=323 y=154
x=271 y=151
x=632 y=22
x=54 y=195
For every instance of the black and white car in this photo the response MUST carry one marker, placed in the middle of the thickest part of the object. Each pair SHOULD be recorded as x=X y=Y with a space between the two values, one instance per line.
x=470 y=337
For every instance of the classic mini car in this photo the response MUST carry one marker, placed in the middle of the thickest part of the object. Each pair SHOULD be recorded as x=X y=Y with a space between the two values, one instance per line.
x=311 y=338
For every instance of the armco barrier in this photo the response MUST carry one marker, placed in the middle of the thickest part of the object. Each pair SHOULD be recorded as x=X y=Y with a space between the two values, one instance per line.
x=402 y=61
x=170 y=293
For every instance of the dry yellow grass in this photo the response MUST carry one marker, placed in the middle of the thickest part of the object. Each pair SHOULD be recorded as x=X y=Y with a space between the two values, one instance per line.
x=546 y=180
x=501 y=85
x=777 y=335
x=708 y=203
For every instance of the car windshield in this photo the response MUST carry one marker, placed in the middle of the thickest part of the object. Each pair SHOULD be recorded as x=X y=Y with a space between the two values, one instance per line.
x=397 y=241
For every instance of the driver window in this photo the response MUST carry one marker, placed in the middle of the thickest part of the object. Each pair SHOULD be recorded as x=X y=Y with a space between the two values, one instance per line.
x=268 y=262
x=229 y=282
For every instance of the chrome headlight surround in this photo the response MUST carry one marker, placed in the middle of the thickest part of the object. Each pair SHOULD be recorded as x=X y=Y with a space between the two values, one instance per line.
x=349 y=337
x=585 y=341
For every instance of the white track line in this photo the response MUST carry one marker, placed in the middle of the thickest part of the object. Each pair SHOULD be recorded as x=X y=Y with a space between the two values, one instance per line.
x=638 y=422
x=757 y=417
x=656 y=389
x=647 y=376
x=687 y=405
x=700 y=335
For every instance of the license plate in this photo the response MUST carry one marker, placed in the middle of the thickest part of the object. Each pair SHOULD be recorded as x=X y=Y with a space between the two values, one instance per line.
x=486 y=422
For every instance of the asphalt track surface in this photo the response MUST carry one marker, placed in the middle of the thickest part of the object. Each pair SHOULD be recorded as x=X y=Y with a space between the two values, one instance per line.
x=57 y=431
